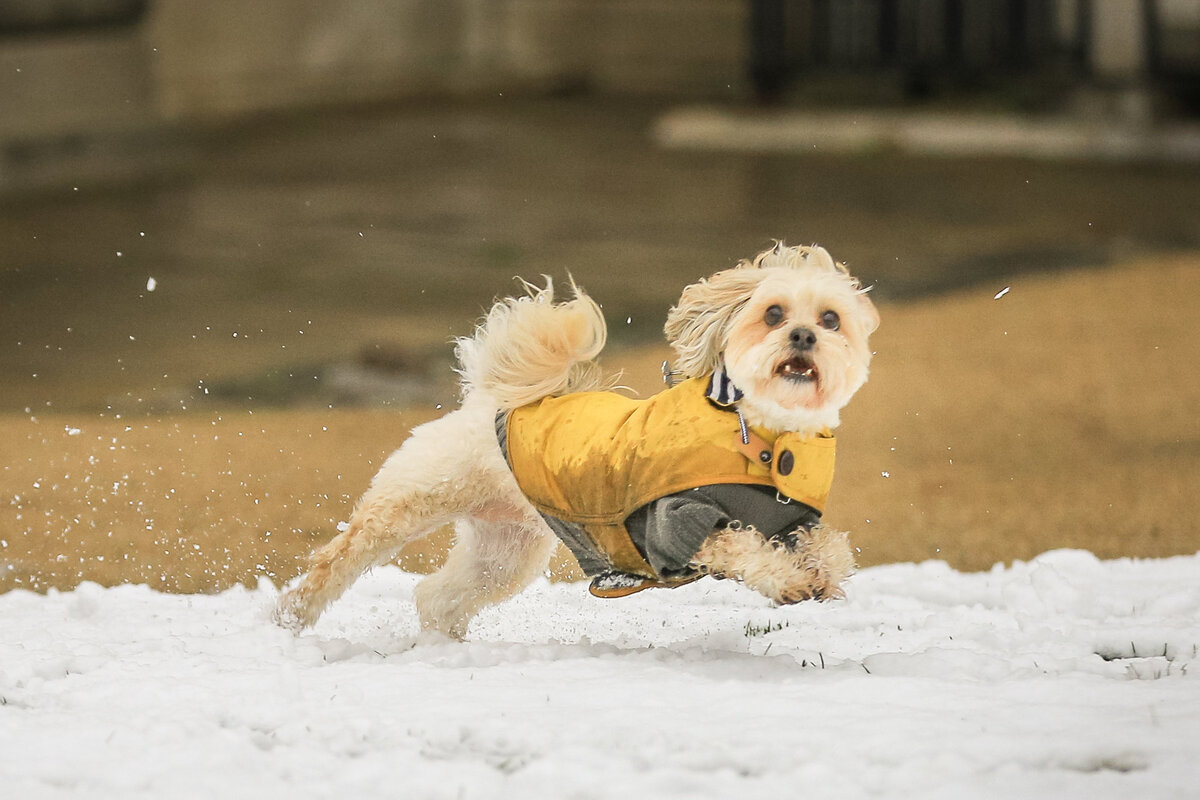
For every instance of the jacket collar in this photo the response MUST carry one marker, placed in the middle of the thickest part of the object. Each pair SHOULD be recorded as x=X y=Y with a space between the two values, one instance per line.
x=721 y=392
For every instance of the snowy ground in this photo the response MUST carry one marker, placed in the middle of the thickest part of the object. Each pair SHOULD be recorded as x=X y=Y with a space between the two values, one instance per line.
x=1064 y=677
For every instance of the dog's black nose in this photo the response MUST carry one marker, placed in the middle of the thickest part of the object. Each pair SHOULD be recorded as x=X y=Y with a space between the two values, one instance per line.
x=802 y=338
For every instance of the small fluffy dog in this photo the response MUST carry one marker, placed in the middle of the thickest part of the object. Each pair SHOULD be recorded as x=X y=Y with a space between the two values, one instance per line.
x=725 y=473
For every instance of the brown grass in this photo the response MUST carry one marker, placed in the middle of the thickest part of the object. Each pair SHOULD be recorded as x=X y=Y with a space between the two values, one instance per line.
x=1062 y=414
x=181 y=503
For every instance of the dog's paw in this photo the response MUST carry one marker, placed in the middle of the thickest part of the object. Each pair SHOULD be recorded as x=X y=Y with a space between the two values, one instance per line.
x=287 y=613
x=809 y=565
x=432 y=638
x=824 y=561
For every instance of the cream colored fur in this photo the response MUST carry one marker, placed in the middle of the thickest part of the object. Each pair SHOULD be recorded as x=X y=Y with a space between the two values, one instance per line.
x=529 y=347
x=451 y=470
x=812 y=570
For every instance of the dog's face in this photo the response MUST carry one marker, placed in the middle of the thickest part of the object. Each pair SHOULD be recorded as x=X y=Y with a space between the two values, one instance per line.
x=791 y=328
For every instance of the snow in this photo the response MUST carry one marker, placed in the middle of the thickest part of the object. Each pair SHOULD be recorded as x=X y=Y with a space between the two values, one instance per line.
x=1063 y=677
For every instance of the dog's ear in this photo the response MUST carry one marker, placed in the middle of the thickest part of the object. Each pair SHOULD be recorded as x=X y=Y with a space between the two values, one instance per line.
x=870 y=313
x=698 y=326
x=820 y=258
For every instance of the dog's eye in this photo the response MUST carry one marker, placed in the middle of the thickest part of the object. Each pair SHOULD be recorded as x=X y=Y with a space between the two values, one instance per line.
x=831 y=321
x=773 y=316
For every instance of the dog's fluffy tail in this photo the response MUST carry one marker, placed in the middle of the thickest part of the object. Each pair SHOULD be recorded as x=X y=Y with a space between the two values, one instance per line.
x=530 y=347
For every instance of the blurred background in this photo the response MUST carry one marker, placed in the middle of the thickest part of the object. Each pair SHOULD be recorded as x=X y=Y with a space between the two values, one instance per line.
x=236 y=238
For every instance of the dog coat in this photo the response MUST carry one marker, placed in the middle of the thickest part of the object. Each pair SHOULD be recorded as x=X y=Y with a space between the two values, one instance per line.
x=588 y=460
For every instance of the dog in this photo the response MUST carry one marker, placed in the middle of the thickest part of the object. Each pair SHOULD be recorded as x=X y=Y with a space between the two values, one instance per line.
x=723 y=474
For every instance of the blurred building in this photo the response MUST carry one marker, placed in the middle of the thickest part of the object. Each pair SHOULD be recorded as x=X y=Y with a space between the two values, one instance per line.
x=90 y=88
x=918 y=48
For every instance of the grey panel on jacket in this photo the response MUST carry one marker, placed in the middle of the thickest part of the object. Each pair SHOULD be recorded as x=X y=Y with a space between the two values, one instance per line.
x=671 y=529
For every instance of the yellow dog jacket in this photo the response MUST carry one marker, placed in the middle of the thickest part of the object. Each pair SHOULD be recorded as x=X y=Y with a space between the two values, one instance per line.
x=592 y=458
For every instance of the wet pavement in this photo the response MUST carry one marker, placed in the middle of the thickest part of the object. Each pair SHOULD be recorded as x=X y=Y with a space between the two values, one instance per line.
x=372 y=237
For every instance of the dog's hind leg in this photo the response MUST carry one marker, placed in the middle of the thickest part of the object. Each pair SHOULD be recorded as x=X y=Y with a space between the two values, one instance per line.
x=492 y=560
x=417 y=490
x=379 y=528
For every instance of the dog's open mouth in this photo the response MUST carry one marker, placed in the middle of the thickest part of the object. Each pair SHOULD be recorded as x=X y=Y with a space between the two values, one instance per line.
x=799 y=369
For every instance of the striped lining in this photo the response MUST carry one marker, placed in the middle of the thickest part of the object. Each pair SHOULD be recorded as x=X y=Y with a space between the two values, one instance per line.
x=721 y=391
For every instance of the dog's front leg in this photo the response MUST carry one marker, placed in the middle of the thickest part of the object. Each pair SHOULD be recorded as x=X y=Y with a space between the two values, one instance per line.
x=812 y=565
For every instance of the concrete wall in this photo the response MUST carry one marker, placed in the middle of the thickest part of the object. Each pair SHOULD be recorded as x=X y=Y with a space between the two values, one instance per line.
x=227 y=57
x=74 y=82
x=80 y=105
